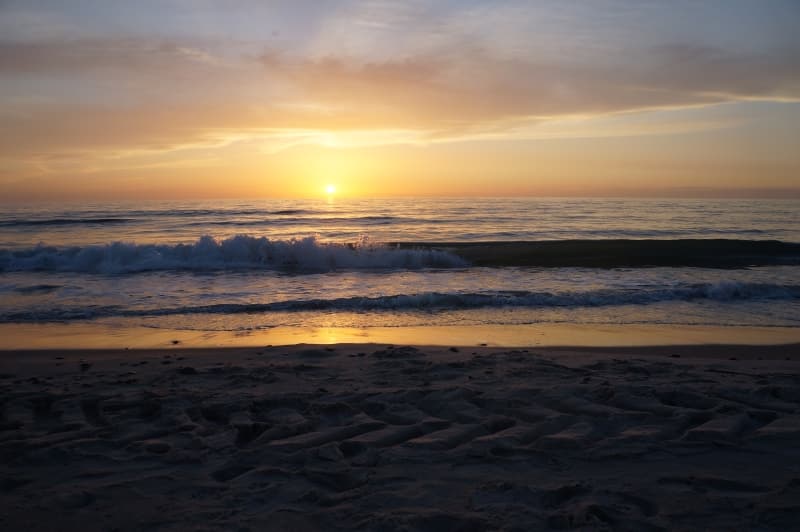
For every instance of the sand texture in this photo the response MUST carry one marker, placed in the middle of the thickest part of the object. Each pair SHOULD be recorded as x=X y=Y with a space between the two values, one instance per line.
x=391 y=438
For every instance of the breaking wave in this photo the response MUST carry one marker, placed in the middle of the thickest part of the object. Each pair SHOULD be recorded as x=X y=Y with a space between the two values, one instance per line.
x=235 y=253
x=310 y=255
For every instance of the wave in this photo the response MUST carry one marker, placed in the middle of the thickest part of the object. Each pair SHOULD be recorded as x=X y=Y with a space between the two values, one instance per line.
x=224 y=213
x=37 y=289
x=235 y=253
x=63 y=221
x=621 y=253
x=622 y=233
x=308 y=254
x=313 y=221
x=95 y=217
x=724 y=291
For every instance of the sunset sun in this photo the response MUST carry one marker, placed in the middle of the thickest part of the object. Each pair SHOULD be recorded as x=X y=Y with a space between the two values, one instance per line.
x=330 y=189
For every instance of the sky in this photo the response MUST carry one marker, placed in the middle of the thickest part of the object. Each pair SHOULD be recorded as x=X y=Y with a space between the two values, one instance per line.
x=182 y=99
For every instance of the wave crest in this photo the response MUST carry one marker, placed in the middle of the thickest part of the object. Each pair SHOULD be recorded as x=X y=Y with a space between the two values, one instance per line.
x=237 y=253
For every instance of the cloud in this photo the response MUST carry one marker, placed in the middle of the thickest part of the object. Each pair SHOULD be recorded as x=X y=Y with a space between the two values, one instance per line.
x=699 y=69
x=100 y=55
x=126 y=94
x=469 y=84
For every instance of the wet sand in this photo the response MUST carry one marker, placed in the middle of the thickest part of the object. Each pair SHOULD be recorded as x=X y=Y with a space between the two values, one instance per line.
x=379 y=437
x=108 y=335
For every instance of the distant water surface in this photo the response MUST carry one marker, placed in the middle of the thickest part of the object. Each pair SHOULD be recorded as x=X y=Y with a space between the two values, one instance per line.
x=458 y=220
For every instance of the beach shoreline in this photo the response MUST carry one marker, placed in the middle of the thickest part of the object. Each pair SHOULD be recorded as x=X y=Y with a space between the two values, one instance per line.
x=712 y=351
x=113 y=335
x=401 y=437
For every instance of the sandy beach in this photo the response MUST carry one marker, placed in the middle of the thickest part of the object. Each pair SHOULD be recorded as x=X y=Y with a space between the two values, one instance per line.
x=392 y=437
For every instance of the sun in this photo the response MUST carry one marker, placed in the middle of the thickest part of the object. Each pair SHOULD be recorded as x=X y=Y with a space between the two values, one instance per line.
x=330 y=189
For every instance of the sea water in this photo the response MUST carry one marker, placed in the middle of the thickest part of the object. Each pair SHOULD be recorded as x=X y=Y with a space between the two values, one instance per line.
x=241 y=266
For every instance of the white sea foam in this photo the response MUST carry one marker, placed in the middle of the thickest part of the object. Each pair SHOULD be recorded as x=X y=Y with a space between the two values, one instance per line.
x=237 y=252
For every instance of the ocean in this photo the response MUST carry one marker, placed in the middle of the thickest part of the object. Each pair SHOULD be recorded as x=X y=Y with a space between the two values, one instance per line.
x=248 y=266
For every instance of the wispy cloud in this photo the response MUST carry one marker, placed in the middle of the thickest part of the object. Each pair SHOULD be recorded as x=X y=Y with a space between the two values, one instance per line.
x=373 y=73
